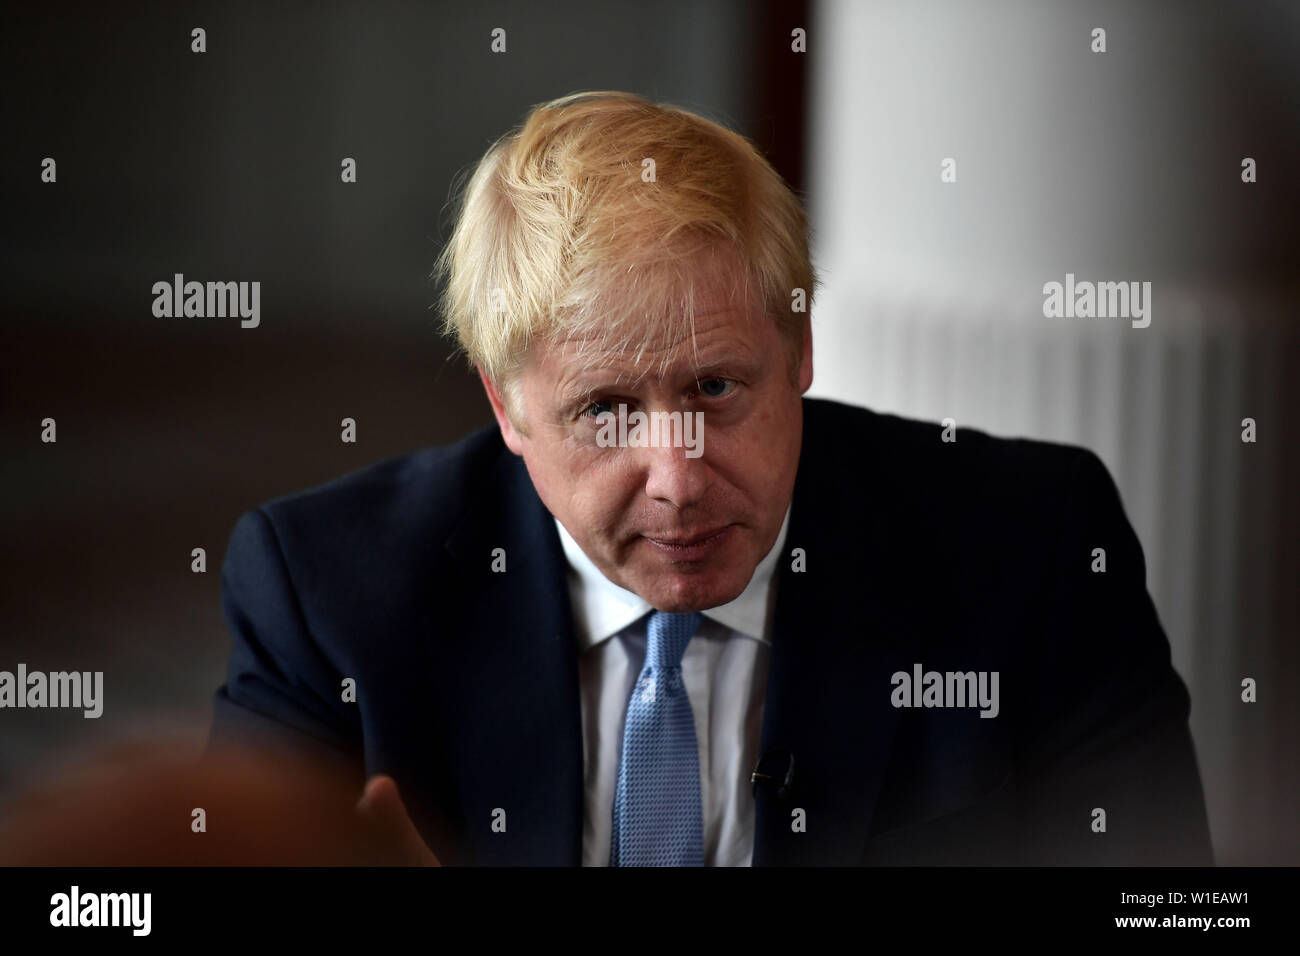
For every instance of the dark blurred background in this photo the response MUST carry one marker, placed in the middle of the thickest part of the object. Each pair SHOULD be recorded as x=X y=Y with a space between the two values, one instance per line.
x=225 y=166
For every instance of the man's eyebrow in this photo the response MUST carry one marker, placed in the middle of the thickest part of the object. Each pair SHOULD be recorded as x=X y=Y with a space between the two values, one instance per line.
x=577 y=398
x=721 y=360
x=721 y=363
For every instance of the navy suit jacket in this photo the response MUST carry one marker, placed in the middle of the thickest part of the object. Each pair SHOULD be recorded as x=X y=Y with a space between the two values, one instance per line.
x=973 y=555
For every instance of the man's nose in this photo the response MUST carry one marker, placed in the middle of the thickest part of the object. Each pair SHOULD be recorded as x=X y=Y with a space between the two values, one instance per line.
x=674 y=477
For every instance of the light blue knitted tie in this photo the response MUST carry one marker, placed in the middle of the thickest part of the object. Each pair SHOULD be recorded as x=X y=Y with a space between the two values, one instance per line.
x=657 y=817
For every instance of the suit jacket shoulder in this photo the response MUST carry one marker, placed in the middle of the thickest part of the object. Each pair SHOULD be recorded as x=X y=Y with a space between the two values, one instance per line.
x=979 y=555
x=316 y=582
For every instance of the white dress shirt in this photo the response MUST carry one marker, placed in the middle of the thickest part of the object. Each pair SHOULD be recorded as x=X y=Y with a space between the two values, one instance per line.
x=724 y=669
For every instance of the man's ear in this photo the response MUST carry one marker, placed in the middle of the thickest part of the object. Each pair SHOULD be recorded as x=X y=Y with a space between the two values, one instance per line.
x=806 y=363
x=509 y=434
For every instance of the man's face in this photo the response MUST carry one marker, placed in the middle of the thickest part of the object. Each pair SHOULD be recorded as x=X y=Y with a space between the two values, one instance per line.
x=685 y=533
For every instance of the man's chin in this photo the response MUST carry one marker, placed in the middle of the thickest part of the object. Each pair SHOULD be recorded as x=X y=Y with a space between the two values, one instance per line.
x=682 y=592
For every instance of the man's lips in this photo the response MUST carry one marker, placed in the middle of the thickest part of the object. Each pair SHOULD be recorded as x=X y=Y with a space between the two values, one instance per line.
x=689 y=546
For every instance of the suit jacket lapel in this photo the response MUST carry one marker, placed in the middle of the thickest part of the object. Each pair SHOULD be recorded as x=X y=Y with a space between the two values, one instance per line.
x=835 y=642
x=515 y=748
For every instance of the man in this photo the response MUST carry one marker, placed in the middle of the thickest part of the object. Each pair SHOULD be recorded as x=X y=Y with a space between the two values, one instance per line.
x=801 y=633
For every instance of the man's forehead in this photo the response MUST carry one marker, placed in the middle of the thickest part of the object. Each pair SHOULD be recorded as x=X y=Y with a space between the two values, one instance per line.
x=712 y=336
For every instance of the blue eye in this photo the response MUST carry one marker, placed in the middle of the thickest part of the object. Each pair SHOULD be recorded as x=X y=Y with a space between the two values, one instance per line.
x=716 y=387
x=596 y=409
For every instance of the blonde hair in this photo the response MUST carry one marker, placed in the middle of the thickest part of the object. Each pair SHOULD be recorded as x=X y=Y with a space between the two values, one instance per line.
x=563 y=235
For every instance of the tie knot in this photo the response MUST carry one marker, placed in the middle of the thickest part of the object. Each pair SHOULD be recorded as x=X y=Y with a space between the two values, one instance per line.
x=668 y=635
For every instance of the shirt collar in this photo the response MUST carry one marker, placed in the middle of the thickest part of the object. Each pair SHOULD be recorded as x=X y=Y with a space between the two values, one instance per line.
x=602 y=608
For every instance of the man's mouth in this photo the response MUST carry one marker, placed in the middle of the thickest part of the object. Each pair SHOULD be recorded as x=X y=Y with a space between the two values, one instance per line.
x=689 y=546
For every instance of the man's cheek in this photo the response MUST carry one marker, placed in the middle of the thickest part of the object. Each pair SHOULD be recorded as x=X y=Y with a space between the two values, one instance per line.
x=603 y=514
x=580 y=460
x=755 y=438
